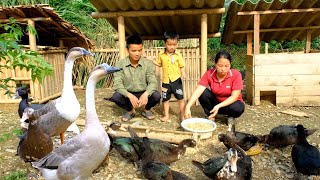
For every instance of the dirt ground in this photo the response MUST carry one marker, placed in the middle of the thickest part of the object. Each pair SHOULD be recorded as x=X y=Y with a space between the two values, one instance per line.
x=270 y=164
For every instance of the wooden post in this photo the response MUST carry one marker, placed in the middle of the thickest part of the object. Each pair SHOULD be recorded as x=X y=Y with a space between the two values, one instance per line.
x=249 y=43
x=308 y=41
x=204 y=39
x=122 y=36
x=32 y=37
x=256 y=34
x=61 y=43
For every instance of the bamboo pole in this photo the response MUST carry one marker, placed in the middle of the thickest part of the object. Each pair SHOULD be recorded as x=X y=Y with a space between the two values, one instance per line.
x=308 y=41
x=249 y=43
x=204 y=37
x=148 y=13
x=278 y=11
x=256 y=34
x=32 y=37
x=182 y=36
x=26 y=19
x=278 y=29
x=122 y=41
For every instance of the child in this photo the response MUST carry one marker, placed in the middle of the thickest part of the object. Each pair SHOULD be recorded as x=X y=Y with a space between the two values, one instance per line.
x=172 y=65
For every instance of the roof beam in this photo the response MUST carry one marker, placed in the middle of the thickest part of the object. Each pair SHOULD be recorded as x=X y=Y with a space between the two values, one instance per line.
x=187 y=36
x=278 y=29
x=26 y=19
x=280 y=11
x=177 y=12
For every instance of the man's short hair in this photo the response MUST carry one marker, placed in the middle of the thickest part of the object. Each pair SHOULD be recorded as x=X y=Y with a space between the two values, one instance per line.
x=133 y=39
x=170 y=35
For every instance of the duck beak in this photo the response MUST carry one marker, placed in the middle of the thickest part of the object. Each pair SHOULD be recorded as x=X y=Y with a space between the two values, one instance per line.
x=24 y=118
x=16 y=95
x=85 y=52
x=112 y=69
x=24 y=125
x=111 y=131
x=123 y=129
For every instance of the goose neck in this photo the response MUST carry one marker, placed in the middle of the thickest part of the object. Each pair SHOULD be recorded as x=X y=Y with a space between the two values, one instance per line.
x=67 y=81
x=91 y=114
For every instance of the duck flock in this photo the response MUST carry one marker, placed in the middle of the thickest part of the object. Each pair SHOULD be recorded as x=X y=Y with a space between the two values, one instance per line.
x=80 y=156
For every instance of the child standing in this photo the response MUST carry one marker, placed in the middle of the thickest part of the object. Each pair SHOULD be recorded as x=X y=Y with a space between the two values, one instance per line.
x=172 y=65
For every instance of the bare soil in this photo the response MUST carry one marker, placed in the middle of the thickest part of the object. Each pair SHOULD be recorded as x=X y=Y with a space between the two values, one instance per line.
x=269 y=164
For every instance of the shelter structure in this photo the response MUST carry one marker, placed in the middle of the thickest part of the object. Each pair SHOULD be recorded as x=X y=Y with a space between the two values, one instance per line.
x=150 y=19
x=290 y=78
x=54 y=37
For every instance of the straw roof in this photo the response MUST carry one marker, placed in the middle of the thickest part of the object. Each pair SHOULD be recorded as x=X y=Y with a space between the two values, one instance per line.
x=49 y=25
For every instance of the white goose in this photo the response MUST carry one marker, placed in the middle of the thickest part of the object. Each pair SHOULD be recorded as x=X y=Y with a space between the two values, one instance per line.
x=56 y=116
x=81 y=155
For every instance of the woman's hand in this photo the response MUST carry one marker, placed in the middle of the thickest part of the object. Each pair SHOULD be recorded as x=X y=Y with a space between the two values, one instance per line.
x=214 y=111
x=187 y=113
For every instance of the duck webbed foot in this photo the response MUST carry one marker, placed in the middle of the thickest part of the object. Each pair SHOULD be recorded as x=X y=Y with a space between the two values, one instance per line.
x=231 y=122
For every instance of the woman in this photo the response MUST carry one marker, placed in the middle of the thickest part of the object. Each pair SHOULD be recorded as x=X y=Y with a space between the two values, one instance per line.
x=219 y=90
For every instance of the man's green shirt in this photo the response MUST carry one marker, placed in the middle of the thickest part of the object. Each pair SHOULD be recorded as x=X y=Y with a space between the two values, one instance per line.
x=135 y=79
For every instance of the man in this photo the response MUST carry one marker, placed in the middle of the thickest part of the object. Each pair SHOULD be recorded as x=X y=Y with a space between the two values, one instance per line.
x=136 y=85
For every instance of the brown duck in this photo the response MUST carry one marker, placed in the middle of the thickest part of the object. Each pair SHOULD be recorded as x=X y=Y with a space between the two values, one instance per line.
x=34 y=144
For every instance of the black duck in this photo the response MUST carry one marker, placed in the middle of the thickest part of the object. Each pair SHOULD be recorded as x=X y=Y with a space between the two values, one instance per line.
x=128 y=148
x=285 y=135
x=24 y=103
x=306 y=158
x=156 y=170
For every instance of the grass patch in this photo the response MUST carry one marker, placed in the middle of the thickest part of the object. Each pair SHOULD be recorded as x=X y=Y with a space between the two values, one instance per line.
x=8 y=135
x=15 y=175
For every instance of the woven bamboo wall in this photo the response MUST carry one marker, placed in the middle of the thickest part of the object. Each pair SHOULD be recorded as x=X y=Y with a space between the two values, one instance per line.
x=51 y=86
x=192 y=68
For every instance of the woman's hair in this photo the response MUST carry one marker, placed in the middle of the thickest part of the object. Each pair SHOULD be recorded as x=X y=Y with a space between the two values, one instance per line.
x=222 y=54
x=133 y=39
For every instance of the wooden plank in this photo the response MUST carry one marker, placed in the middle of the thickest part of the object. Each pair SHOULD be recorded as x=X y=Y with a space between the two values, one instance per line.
x=145 y=13
x=280 y=90
x=296 y=80
x=285 y=69
x=299 y=101
x=295 y=113
x=286 y=58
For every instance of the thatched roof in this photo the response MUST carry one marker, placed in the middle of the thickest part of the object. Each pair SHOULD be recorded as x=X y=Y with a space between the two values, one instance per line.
x=49 y=25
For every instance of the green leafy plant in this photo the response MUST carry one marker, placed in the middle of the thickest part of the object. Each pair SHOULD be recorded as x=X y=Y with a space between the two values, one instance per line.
x=8 y=135
x=12 y=55
x=15 y=175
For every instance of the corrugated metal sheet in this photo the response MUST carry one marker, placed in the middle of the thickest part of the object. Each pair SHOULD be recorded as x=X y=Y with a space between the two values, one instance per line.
x=49 y=32
x=157 y=25
x=236 y=22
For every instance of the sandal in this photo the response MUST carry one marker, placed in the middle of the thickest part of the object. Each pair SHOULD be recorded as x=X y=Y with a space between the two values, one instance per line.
x=127 y=116
x=148 y=114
